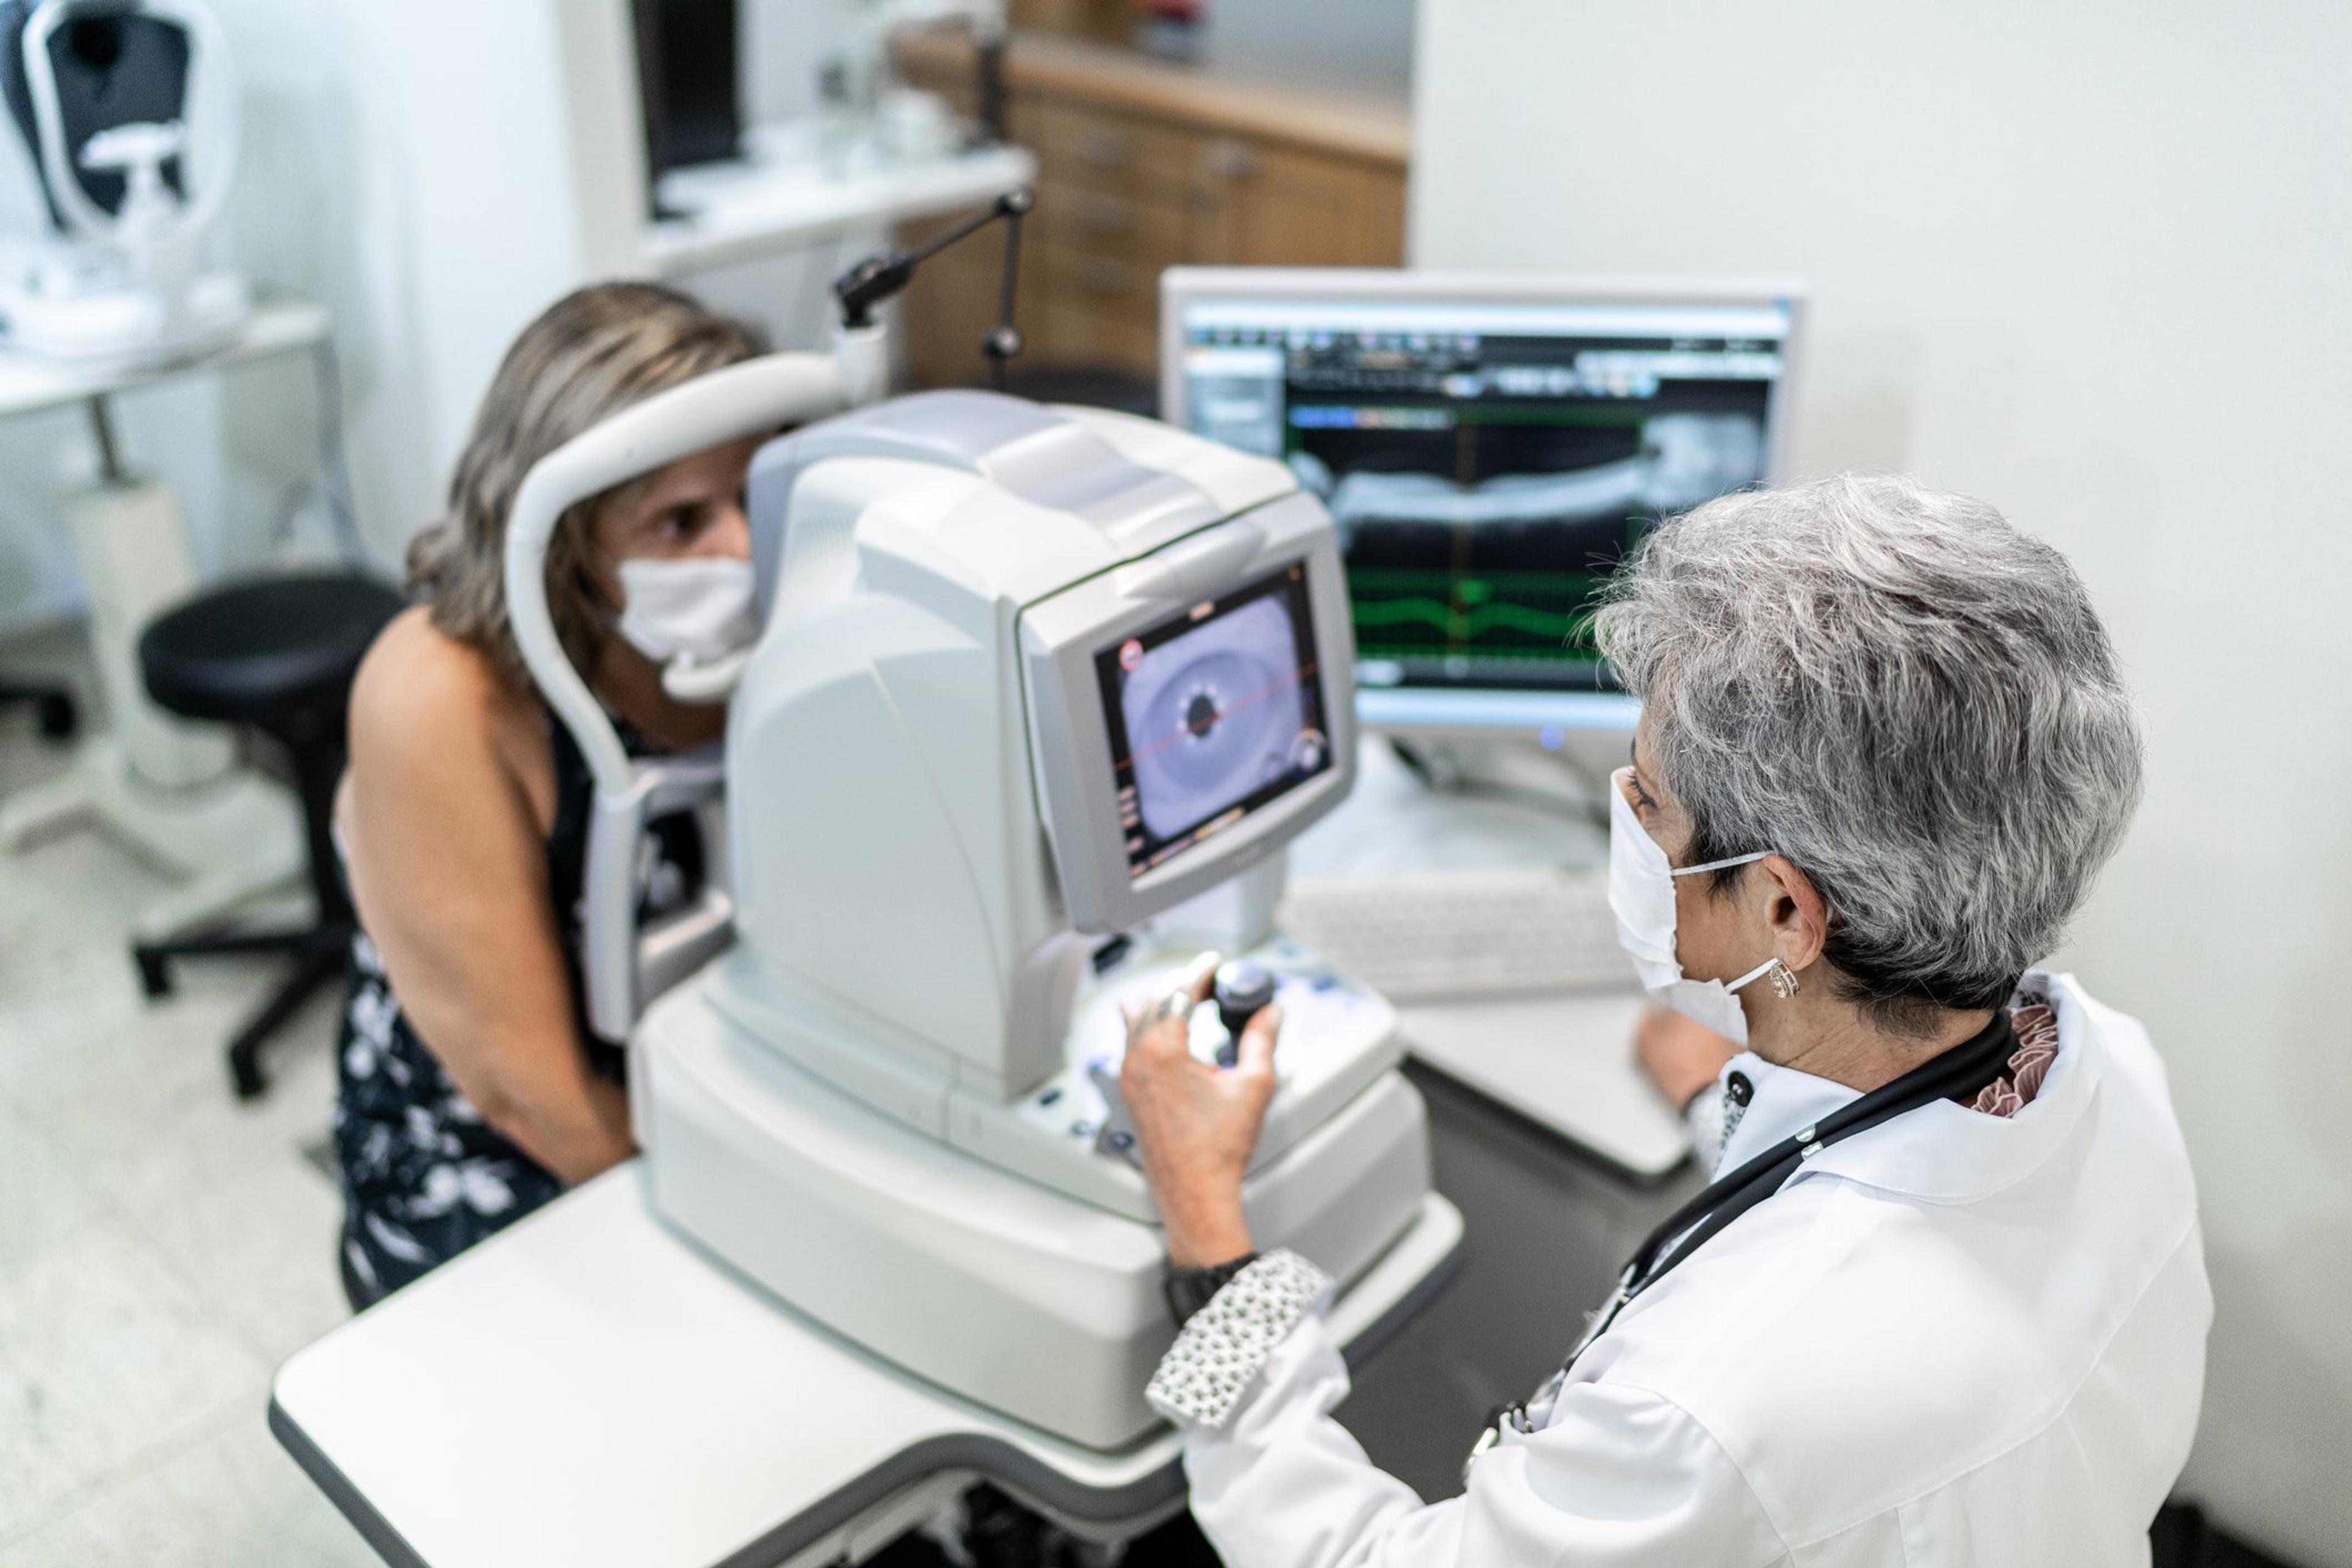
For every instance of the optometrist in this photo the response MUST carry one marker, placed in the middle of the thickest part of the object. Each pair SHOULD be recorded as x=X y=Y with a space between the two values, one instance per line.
x=1944 y=1302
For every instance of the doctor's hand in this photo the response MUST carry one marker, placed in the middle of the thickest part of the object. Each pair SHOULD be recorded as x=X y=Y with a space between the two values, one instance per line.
x=1681 y=1057
x=1197 y=1125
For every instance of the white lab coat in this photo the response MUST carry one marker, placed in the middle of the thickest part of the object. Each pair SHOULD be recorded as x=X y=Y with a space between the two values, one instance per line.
x=1952 y=1338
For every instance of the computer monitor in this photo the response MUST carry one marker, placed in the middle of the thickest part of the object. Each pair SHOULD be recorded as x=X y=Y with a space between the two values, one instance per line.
x=687 y=90
x=1490 y=447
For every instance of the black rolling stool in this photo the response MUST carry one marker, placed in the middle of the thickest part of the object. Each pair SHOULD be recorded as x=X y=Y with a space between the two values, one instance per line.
x=276 y=654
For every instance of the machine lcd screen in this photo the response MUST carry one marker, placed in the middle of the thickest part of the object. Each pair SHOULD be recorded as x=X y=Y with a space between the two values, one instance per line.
x=1211 y=714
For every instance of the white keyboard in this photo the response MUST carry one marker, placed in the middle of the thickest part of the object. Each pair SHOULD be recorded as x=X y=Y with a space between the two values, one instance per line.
x=1456 y=935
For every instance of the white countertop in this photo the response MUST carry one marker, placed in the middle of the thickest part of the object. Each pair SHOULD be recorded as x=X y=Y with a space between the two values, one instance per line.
x=275 y=326
x=788 y=196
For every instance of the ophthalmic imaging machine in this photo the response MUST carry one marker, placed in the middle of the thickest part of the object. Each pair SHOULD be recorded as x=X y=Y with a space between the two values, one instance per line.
x=1040 y=698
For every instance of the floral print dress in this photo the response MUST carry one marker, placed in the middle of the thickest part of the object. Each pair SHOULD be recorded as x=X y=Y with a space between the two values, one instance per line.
x=423 y=1176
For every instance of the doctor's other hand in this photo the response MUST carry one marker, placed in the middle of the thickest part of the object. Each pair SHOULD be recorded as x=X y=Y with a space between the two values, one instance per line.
x=1681 y=1057
x=1196 y=1124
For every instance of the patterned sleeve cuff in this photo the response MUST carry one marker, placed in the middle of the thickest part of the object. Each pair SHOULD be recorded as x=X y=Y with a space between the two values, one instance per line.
x=1217 y=1356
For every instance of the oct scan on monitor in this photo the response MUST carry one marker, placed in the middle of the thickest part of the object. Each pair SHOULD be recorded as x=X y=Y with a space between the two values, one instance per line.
x=1489 y=448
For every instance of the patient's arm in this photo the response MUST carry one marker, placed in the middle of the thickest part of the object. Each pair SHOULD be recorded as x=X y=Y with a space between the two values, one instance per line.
x=445 y=814
x=1682 y=1058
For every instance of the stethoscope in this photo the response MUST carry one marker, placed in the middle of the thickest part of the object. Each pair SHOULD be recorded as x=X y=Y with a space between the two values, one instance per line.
x=1960 y=1072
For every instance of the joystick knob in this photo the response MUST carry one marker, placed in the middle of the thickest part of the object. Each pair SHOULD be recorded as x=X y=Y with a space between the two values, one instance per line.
x=1116 y=1133
x=1242 y=991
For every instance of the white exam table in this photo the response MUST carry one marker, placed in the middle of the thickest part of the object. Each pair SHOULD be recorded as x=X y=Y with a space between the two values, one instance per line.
x=589 y=1389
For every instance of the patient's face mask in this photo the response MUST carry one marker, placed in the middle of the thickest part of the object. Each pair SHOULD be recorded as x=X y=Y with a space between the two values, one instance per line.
x=1642 y=892
x=698 y=607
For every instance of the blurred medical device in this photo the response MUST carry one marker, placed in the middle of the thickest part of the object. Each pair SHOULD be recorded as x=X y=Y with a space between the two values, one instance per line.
x=1040 y=699
x=1489 y=446
x=105 y=94
x=128 y=113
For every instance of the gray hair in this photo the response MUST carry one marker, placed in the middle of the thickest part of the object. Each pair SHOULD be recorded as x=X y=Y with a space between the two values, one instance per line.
x=1904 y=694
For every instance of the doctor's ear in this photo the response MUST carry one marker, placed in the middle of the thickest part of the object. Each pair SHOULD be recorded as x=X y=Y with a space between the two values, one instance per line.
x=1799 y=915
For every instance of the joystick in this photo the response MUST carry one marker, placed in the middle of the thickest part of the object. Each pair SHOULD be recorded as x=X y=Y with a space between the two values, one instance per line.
x=1242 y=991
x=1116 y=1133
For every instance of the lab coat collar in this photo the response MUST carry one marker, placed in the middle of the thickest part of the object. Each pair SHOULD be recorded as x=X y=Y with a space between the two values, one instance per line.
x=1781 y=1101
x=1942 y=1152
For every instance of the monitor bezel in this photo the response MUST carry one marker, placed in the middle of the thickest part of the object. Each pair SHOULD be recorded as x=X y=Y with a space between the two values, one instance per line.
x=1069 y=735
x=1182 y=286
x=1285 y=585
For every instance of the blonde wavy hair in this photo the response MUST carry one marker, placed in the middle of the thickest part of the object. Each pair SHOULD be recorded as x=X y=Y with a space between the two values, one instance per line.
x=592 y=354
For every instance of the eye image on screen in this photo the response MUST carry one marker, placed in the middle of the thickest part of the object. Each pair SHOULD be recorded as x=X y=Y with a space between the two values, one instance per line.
x=1211 y=714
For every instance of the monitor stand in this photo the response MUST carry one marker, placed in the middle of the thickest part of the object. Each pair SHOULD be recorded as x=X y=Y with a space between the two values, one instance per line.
x=1566 y=1061
x=1571 y=779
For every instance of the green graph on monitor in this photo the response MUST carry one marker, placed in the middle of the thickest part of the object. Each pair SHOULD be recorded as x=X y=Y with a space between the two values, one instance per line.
x=1520 y=617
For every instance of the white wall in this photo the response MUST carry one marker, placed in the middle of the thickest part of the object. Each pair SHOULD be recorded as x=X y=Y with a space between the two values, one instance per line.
x=781 y=46
x=2092 y=261
x=432 y=195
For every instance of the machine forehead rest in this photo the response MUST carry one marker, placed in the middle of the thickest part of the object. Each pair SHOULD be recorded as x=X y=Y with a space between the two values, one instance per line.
x=1042 y=456
x=1069 y=468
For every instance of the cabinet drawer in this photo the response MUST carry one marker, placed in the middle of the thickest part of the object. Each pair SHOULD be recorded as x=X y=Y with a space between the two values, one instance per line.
x=1266 y=205
x=1150 y=234
x=1073 y=334
x=1108 y=285
x=1115 y=154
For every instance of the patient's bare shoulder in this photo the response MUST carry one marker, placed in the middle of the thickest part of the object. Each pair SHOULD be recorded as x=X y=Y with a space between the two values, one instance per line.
x=431 y=712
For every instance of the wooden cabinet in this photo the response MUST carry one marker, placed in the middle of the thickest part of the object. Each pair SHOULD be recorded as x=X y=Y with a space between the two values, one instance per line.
x=1142 y=166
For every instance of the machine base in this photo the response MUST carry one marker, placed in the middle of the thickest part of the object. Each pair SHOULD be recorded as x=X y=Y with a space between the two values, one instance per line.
x=1004 y=1291
x=235 y=839
x=1337 y=1041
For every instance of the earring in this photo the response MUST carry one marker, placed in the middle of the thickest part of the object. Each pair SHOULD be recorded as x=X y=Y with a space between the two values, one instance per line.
x=1783 y=978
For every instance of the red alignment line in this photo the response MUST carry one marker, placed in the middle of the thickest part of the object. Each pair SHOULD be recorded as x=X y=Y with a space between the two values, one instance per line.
x=1255 y=698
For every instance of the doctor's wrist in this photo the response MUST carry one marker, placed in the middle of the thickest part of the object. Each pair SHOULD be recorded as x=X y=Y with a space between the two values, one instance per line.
x=1206 y=1234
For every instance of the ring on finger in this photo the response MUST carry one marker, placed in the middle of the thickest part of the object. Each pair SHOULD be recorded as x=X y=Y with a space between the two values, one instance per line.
x=1177 y=1005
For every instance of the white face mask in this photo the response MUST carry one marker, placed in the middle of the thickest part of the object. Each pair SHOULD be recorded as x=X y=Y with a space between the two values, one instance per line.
x=1642 y=892
x=700 y=607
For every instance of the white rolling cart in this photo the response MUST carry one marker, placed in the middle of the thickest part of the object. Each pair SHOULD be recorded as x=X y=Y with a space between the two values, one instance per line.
x=168 y=791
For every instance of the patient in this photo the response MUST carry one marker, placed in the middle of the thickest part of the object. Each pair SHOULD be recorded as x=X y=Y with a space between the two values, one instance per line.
x=471 y=1091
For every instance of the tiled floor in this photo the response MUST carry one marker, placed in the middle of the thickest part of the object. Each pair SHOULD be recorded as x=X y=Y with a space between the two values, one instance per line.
x=161 y=1247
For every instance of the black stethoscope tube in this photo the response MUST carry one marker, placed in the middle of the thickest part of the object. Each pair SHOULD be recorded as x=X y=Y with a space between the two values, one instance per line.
x=1960 y=1072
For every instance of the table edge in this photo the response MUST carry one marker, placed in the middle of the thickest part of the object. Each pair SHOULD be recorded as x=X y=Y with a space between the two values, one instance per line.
x=995 y=1455
x=349 y=1500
